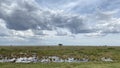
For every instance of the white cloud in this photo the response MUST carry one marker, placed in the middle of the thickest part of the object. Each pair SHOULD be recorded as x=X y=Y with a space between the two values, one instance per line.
x=3 y=29
x=29 y=16
x=22 y=33
x=105 y=23
x=29 y=20
x=111 y=26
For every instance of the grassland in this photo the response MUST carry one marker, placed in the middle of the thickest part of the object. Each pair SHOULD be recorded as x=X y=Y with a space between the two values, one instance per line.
x=93 y=53
x=62 y=65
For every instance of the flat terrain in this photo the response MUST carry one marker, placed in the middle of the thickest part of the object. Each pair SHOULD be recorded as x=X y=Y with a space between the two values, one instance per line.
x=61 y=65
x=93 y=53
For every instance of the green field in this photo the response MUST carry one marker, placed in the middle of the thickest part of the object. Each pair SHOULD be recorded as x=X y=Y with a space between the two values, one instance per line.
x=93 y=53
x=62 y=65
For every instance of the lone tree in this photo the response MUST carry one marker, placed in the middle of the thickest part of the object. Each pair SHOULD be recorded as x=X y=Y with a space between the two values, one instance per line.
x=60 y=44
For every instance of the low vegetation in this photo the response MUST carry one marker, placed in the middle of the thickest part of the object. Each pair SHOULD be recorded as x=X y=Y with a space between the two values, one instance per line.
x=62 y=65
x=93 y=53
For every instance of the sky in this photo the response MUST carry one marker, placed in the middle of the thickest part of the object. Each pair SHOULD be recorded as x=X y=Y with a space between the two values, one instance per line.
x=69 y=22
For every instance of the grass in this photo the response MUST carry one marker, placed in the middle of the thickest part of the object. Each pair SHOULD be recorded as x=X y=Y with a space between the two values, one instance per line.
x=61 y=65
x=94 y=53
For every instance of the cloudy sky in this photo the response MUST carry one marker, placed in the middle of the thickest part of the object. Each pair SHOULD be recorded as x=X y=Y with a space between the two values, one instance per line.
x=49 y=22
